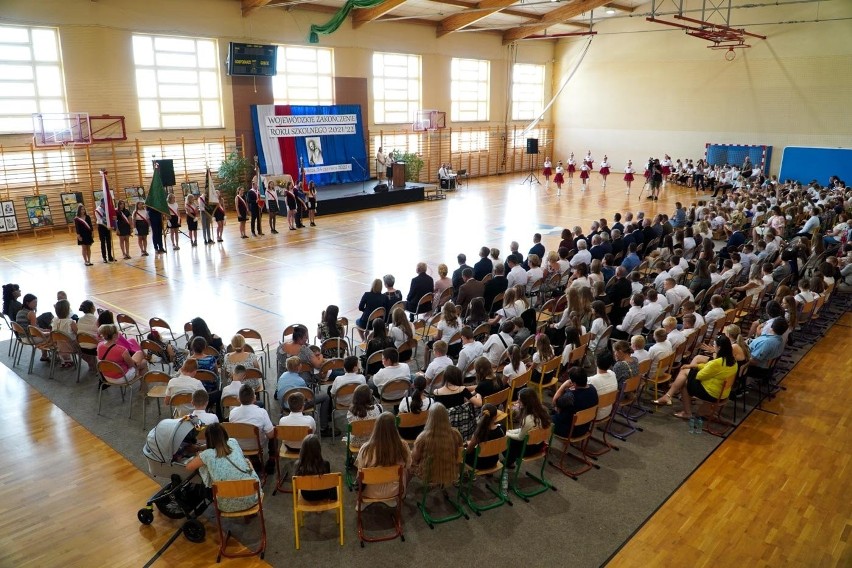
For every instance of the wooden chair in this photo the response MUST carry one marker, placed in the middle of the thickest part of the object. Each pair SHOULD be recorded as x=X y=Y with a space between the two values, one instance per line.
x=714 y=414
x=229 y=402
x=113 y=375
x=408 y=420
x=436 y=383
x=515 y=386
x=628 y=397
x=586 y=338
x=545 y=312
x=64 y=344
x=428 y=485
x=164 y=329
x=236 y=490
x=500 y=400
x=377 y=476
x=581 y=441
x=496 y=303
x=536 y=436
x=407 y=350
x=126 y=324
x=284 y=434
x=662 y=374
x=182 y=399
x=482 y=332
x=290 y=329
x=577 y=355
x=421 y=303
x=604 y=400
x=549 y=376
x=341 y=401
x=393 y=391
x=359 y=429
x=261 y=349
x=602 y=343
x=248 y=437
x=442 y=299
x=154 y=383
x=378 y=313
x=373 y=359
x=301 y=506
x=257 y=375
x=308 y=394
x=488 y=449
x=335 y=347
x=206 y=376
x=152 y=349
x=41 y=342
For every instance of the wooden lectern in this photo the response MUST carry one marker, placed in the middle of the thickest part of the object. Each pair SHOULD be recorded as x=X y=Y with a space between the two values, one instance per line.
x=398 y=175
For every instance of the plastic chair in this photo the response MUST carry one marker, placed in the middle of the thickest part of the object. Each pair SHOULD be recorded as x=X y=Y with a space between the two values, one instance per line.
x=393 y=391
x=235 y=490
x=341 y=401
x=376 y=476
x=155 y=383
x=360 y=429
x=604 y=400
x=248 y=437
x=286 y=434
x=581 y=418
x=164 y=329
x=487 y=449
x=627 y=399
x=549 y=374
x=534 y=437
x=411 y=420
x=458 y=510
x=302 y=506
x=113 y=375
x=64 y=344
x=41 y=342
x=127 y=324
x=182 y=399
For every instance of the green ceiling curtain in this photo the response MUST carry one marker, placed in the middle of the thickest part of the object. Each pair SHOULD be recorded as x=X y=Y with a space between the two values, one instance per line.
x=331 y=26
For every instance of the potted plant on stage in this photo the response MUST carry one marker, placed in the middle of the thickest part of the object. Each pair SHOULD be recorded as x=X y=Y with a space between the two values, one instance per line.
x=234 y=172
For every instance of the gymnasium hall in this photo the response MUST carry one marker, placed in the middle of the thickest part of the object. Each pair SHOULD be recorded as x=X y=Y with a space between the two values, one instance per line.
x=461 y=132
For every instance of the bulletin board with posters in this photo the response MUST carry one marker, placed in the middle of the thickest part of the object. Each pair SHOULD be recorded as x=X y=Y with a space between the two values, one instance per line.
x=8 y=221
x=38 y=211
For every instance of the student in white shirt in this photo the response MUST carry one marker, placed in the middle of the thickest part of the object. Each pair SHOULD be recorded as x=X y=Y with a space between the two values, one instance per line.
x=604 y=381
x=200 y=400
x=296 y=403
x=440 y=361
x=515 y=366
x=471 y=350
x=651 y=308
x=352 y=376
x=517 y=275
x=392 y=369
x=674 y=336
x=805 y=294
x=637 y=344
x=599 y=323
x=249 y=413
x=662 y=348
x=632 y=318
x=499 y=342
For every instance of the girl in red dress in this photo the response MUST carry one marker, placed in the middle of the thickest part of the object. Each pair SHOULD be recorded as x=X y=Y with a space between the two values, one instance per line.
x=559 y=178
x=628 y=175
x=547 y=171
x=604 y=171
x=584 y=174
x=666 y=166
x=572 y=167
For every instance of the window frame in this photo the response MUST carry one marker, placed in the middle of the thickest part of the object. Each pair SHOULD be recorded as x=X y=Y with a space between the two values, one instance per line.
x=379 y=89
x=282 y=57
x=520 y=99
x=460 y=83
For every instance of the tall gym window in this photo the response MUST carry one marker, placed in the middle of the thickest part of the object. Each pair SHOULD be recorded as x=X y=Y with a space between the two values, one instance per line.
x=177 y=82
x=396 y=87
x=31 y=78
x=304 y=76
x=469 y=90
x=527 y=91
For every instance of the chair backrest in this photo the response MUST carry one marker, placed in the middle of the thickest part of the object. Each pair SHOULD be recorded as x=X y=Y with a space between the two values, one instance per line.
x=206 y=376
x=497 y=302
x=550 y=367
x=251 y=374
x=630 y=386
x=583 y=417
x=249 y=333
x=126 y=320
x=343 y=396
x=411 y=420
x=607 y=399
x=319 y=483
x=644 y=367
x=38 y=335
x=63 y=342
x=538 y=436
x=378 y=313
x=577 y=354
x=445 y=295
x=236 y=489
x=393 y=391
x=180 y=399
x=362 y=428
x=586 y=337
x=155 y=377
x=382 y=474
x=498 y=399
x=231 y=401
x=160 y=323
x=86 y=340
x=527 y=346
x=425 y=299
x=520 y=381
x=664 y=365
x=330 y=365
x=111 y=371
x=487 y=277
x=336 y=345
x=187 y=328
x=247 y=435
x=436 y=383
x=603 y=339
x=482 y=331
x=293 y=434
x=491 y=447
x=147 y=345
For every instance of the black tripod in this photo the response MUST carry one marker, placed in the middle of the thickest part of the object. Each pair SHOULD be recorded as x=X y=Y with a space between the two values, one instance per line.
x=531 y=177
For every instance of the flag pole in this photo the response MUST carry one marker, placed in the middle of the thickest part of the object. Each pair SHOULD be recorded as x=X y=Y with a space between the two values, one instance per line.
x=109 y=208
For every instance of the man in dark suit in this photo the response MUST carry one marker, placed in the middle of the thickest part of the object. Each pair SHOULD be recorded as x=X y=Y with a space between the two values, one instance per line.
x=648 y=234
x=598 y=251
x=628 y=238
x=617 y=242
x=619 y=290
x=472 y=288
x=617 y=222
x=457 y=274
x=537 y=248
x=484 y=266
x=497 y=285
x=420 y=285
x=513 y=251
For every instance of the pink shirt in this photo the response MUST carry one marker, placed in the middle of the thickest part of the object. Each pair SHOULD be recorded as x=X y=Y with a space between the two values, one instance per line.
x=114 y=354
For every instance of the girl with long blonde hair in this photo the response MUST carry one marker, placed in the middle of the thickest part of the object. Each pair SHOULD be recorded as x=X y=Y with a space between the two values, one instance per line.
x=435 y=458
x=384 y=448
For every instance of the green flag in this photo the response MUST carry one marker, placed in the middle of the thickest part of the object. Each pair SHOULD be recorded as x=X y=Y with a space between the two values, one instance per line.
x=157 y=194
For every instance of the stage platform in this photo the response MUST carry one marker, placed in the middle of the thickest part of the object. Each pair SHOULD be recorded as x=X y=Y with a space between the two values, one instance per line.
x=348 y=197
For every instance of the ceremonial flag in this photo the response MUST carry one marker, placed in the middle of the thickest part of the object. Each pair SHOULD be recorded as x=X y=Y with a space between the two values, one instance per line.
x=210 y=188
x=109 y=205
x=157 y=193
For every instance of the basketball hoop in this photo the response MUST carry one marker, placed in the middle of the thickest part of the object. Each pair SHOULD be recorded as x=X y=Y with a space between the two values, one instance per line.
x=61 y=129
x=429 y=120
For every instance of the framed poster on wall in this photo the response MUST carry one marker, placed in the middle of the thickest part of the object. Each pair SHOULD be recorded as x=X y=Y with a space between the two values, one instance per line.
x=190 y=188
x=134 y=195
x=70 y=201
x=8 y=221
x=38 y=211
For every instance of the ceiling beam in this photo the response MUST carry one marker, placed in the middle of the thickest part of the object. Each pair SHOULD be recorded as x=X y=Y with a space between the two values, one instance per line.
x=362 y=16
x=251 y=5
x=621 y=7
x=463 y=19
x=509 y=11
x=552 y=18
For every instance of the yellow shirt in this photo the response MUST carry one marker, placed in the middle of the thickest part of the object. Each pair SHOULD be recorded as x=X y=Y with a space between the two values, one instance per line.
x=713 y=375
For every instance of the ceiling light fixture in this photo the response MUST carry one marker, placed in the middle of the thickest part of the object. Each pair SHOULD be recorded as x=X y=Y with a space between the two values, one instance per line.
x=610 y=11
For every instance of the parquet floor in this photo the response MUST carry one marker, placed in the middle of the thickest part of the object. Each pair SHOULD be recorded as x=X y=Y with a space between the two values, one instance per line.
x=71 y=500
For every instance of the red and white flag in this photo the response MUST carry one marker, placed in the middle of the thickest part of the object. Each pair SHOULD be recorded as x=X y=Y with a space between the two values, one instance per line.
x=109 y=204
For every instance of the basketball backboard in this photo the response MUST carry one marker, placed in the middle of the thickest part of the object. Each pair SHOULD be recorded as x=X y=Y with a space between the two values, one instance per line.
x=61 y=129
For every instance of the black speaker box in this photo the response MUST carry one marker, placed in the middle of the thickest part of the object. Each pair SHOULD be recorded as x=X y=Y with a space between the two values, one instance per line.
x=380 y=188
x=167 y=171
x=532 y=145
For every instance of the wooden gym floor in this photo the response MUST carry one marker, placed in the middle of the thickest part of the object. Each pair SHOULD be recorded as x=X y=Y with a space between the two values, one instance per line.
x=772 y=493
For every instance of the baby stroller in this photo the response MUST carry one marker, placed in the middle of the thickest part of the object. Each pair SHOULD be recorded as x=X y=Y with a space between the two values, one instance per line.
x=185 y=496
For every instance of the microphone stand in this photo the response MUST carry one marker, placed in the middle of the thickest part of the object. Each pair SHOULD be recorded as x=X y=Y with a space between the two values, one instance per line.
x=363 y=174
